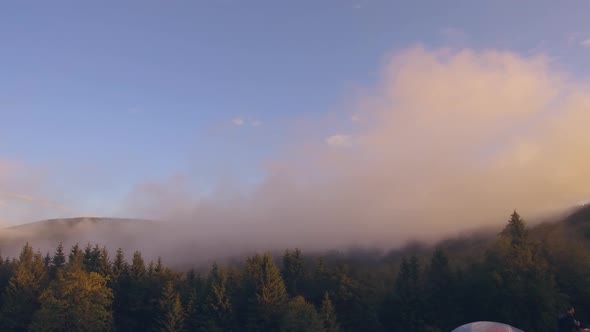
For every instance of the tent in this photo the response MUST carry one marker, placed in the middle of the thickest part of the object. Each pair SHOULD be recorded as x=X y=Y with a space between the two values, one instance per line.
x=486 y=327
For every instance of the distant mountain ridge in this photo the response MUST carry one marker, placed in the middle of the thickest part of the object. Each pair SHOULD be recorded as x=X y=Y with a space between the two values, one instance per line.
x=46 y=234
x=156 y=238
x=76 y=221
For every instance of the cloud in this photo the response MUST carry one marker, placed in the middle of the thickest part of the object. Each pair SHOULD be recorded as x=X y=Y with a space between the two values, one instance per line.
x=450 y=140
x=339 y=140
x=358 y=4
x=35 y=200
x=238 y=121
x=23 y=192
x=571 y=38
x=241 y=122
x=585 y=43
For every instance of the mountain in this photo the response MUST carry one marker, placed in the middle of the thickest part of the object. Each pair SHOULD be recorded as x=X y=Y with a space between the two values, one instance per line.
x=47 y=234
x=572 y=226
x=176 y=243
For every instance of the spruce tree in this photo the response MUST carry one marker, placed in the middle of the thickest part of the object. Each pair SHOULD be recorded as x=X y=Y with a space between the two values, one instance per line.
x=137 y=269
x=21 y=298
x=104 y=264
x=218 y=300
x=171 y=313
x=300 y=316
x=522 y=274
x=405 y=311
x=266 y=292
x=193 y=313
x=328 y=315
x=76 y=258
x=159 y=267
x=440 y=292
x=138 y=299
x=59 y=259
x=516 y=230
x=293 y=271
x=47 y=261
x=75 y=301
x=119 y=266
x=91 y=258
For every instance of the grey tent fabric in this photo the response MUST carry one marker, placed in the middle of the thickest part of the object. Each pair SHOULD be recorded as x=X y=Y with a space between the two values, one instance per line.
x=486 y=327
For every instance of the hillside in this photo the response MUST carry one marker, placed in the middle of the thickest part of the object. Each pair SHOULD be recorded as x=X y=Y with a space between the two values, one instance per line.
x=484 y=277
x=154 y=239
x=46 y=234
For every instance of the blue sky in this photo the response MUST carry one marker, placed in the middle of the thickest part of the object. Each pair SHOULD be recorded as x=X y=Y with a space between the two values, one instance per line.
x=105 y=95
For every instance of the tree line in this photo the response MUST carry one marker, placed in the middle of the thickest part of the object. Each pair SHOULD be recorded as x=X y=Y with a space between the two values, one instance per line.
x=517 y=280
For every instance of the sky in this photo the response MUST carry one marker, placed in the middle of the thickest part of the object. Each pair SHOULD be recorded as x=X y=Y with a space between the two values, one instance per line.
x=103 y=102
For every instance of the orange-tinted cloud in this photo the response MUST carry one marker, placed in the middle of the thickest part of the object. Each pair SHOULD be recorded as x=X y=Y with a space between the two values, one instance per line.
x=35 y=200
x=22 y=191
x=449 y=140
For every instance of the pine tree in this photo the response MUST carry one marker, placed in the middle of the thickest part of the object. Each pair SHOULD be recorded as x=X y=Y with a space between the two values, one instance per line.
x=322 y=281
x=91 y=258
x=328 y=315
x=440 y=292
x=39 y=270
x=137 y=270
x=193 y=318
x=300 y=316
x=293 y=271
x=159 y=267
x=405 y=311
x=218 y=300
x=20 y=300
x=47 y=261
x=516 y=230
x=119 y=267
x=136 y=298
x=348 y=298
x=87 y=258
x=266 y=292
x=75 y=301
x=150 y=269
x=171 y=312
x=120 y=282
x=104 y=264
x=59 y=260
x=76 y=258
x=520 y=273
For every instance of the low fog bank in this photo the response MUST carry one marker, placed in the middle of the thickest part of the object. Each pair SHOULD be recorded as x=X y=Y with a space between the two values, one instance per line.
x=182 y=246
x=447 y=141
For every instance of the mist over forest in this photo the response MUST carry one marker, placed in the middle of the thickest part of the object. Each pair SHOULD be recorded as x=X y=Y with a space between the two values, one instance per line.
x=294 y=166
x=523 y=276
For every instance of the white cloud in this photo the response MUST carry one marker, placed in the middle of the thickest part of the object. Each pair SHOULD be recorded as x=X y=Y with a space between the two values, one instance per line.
x=26 y=195
x=244 y=122
x=339 y=140
x=238 y=121
x=451 y=140
x=585 y=43
x=571 y=38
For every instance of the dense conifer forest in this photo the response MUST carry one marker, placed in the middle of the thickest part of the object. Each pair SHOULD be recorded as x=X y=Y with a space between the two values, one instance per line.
x=518 y=278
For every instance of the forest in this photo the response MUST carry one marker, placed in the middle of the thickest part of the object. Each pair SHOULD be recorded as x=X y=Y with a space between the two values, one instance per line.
x=521 y=277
